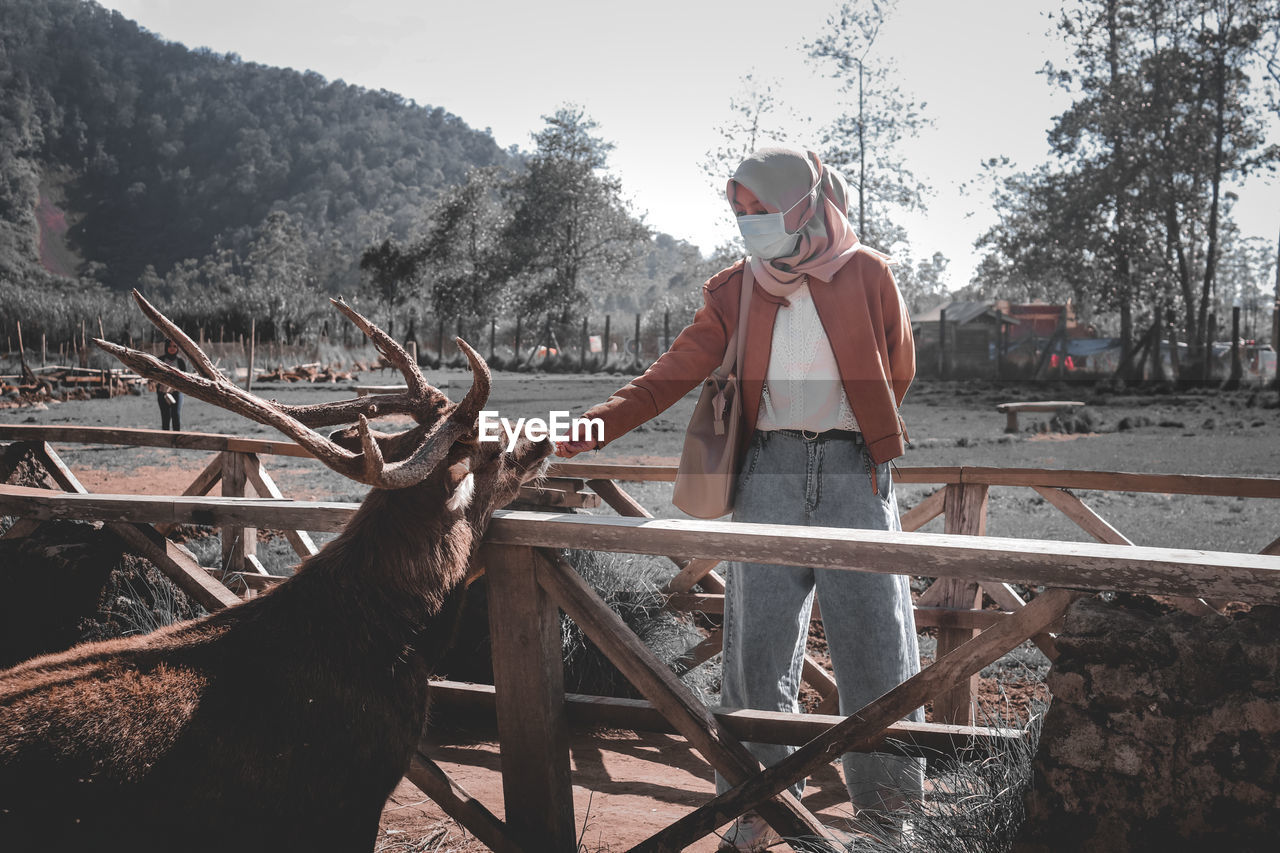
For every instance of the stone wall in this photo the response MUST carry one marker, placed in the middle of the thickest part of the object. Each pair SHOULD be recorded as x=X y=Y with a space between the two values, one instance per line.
x=1163 y=735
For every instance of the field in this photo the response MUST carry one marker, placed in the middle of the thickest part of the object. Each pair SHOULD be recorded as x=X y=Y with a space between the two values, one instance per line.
x=625 y=782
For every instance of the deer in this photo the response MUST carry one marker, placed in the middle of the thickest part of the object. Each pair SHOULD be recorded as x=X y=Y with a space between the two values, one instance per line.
x=283 y=722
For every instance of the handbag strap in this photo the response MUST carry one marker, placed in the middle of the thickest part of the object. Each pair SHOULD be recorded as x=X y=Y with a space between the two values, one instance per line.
x=737 y=343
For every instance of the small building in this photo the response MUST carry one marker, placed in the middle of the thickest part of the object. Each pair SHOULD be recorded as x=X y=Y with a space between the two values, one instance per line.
x=973 y=339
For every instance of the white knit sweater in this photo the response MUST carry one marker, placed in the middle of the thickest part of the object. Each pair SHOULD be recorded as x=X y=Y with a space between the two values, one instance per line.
x=802 y=388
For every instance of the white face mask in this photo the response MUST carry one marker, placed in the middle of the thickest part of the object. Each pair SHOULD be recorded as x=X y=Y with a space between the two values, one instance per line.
x=765 y=234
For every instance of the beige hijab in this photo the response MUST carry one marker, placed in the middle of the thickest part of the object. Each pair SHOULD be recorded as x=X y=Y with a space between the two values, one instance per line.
x=782 y=178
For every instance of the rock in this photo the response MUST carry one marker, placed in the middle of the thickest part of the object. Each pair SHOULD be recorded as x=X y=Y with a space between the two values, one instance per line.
x=1164 y=733
x=1133 y=422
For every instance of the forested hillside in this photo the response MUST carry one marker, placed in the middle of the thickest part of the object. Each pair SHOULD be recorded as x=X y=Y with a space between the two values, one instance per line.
x=153 y=152
x=233 y=192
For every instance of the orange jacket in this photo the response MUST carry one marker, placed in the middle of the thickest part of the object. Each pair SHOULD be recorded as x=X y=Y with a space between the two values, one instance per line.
x=865 y=321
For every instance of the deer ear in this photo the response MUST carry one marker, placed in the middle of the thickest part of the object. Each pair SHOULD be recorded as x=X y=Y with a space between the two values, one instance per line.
x=461 y=484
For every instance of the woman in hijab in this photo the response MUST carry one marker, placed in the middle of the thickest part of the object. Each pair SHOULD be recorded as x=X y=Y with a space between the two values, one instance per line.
x=828 y=357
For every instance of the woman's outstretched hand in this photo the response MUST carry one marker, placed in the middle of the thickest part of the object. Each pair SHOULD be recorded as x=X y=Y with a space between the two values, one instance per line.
x=570 y=449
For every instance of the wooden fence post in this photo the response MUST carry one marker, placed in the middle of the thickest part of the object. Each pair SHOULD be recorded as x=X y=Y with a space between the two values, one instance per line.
x=493 y=334
x=582 y=350
x=604 y=347
x=942 y=344
x=528 y=678
x=639 y=348
x=248 y=374
x=239 y=544
x=965 y=505
x=516 y=347
x=1237 y=369
x=1210 y=332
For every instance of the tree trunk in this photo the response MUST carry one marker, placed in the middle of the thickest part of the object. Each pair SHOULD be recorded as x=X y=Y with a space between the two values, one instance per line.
x=1219 y=138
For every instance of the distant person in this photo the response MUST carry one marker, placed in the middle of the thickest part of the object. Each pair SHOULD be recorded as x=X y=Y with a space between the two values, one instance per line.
x=170 y=399
x=828 y=357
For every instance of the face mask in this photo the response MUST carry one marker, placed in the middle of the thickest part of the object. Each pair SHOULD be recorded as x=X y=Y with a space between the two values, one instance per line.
x=765 y=234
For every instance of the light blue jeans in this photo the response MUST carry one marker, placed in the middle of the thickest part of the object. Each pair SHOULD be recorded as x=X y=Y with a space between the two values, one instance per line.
x=785 y=479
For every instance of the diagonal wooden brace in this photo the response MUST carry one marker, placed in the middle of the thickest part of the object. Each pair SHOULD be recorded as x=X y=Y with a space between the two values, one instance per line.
x=433 y=781
x=866 y=724
x=679 y=706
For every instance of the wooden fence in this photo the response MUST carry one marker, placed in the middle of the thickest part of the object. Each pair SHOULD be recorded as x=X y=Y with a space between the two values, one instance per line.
x=530 y=583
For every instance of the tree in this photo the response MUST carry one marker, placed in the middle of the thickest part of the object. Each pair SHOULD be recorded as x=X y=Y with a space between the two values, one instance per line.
x=458 y=250
x=864 y=142
x=1134 y=208
x=278 y=277
x=391 y=269
x=923 y=283
x=570 y=229
x=757 y=117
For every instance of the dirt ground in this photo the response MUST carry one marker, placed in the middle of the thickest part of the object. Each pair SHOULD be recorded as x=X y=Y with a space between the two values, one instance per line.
x=627 y=785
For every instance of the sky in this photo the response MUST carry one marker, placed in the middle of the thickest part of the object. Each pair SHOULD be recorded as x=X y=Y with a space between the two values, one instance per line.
x=658 y=75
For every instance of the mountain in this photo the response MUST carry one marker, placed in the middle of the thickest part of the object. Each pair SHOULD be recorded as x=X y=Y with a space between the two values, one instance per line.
x=120 y=151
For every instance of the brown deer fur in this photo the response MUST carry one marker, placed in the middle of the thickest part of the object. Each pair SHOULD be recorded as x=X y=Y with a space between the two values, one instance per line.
x=282 y=723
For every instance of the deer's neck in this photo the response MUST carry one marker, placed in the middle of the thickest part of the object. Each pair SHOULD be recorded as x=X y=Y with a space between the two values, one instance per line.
x=398 y=563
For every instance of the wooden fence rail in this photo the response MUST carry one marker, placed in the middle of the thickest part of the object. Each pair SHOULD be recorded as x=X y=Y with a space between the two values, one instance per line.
x=530 y=583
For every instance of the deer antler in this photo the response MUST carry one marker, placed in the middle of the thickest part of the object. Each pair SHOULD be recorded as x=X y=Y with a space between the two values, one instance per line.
x=422 y=401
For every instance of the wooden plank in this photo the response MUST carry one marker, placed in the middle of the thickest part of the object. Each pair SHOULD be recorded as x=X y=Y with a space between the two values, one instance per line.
x=704 y=651
x=1273 y=549
x=1099 y=528
x=925 y=511
x=433 y=781
x=1007 y=597
x=925 y=617
x=251 y=580
x=1252 y=578
x=46 y=504
x=613 y=471
x=1046 y=406
x=529 y=676
x=1083 y=516
x=816 y=676
x=657 y=684
x=148 y=438
x=266 y=487
x=1193 y=484
x=558 y=497
x=965 y=507
x=693 y=573
x=987 y=559
x=1117 y=481
x=469 y=702
x=867 y=723
x=621 y=502
x=176 y=562
x=362 y=390
x=927 y=474
x=238 y=543
x=58 y=469
x=206 y=479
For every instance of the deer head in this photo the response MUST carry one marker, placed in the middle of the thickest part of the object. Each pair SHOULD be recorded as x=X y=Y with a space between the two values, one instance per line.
x=444 y=436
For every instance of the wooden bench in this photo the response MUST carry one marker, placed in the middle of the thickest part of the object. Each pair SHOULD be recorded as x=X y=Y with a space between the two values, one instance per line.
x=1011 y=410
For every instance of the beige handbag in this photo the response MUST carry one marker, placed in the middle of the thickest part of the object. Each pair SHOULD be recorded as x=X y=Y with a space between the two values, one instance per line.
x=708 y=475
